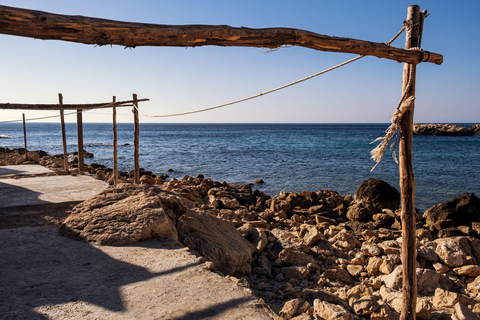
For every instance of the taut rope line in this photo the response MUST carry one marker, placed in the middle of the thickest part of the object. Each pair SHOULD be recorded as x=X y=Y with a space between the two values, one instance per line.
x=266 y=92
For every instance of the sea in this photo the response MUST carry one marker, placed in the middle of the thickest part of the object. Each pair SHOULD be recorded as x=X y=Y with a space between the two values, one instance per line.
x=287 y=157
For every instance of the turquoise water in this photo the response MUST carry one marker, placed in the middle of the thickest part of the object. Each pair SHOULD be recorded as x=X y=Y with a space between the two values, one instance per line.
x=288 y=157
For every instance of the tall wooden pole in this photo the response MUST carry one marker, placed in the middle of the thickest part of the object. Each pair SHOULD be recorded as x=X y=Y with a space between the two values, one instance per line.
x=64 y=134
x=115 y=154
x=25 y=136
x=136 y=152
x=80 y=141
x=407 y=178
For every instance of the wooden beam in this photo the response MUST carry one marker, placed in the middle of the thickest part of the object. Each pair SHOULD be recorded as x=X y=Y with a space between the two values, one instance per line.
x=20 y=106
x=407 y=178
x=80 y=141
x=115 y=152
x=136 y=140
x=64 y=134
x=49 y=26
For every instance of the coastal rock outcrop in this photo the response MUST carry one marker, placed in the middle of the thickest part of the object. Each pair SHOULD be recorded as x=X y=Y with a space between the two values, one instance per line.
x=463 y=210
x=379 y=193
x=302 y=254
x=217 y=241
x=443 y=130
x=125 y=214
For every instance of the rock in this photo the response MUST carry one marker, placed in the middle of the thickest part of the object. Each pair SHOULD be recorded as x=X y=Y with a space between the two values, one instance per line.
x=293 y=308
x=259 y=181
x=125 y=214
x=217 y=240
x=294 y=257
x=447 y=299
x=345 y=240
x=245 y=229
x=312 y=236
x=338 y=274
x=434 y=129
x=423 y=309
x=450 y=252
x=258 y=238
x=427 y=280
x=360 y=210
x=373 y=265
x=365 y=306
x=427 y=253
x=474 y=286
x=379 y=193
x=463 y=313
x=329 y=311
x=355 y=270
x=462 y=210
x=147 y=179
x=370 y=249
x=295 y=272
x=472 y=271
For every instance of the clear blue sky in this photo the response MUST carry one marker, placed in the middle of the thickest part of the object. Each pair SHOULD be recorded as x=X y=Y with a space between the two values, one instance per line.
x=179 y=79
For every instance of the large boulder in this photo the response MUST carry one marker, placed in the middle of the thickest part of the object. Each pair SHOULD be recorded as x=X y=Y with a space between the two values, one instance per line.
x=217 y=240
x=379 y=193
x=124 y=214
x=462 y=210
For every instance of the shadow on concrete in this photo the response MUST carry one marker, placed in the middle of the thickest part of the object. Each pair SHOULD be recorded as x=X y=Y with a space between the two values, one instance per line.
x=9 y=171
x=50 y=270
x=14 y=196
x=215 y=310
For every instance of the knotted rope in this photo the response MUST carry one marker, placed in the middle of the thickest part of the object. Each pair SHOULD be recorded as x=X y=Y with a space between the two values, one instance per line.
x=405 y=104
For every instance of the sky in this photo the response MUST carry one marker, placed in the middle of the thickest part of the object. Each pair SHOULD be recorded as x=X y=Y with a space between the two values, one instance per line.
x=186 y=79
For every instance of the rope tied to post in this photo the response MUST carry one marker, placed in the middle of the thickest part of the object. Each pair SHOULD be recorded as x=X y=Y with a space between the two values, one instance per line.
x=405 y=104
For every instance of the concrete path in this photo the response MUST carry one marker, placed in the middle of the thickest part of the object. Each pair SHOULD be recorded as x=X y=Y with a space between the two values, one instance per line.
x=34 y=190
x=47 y=276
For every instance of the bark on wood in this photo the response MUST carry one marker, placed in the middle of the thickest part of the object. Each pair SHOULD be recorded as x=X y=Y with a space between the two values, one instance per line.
x=49 y=26
x=115 y=154
x=19 y=106
x=407 y=178
x=64 y=134
x=136 y=140
x=80 y=141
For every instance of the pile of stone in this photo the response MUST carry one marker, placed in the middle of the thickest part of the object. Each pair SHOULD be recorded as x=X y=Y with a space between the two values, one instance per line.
x=436 y=129
x=309 y=255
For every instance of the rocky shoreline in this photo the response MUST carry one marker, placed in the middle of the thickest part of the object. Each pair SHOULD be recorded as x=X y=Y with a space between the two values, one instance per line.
x=433 y=129
x=308 y=255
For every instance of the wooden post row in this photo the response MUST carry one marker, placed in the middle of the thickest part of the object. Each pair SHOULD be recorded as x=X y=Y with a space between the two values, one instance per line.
x=136 y=152
x=64 y=134
x=25 y=136
x=80 y=141
x=115 y=154
x=407 y=178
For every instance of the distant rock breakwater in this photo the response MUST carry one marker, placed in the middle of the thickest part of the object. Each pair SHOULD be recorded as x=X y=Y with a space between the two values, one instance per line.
x=435 y=129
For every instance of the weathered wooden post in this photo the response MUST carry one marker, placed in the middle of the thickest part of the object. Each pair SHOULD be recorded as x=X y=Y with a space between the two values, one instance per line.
x=80 y=141
x=64 y=134
x=136 y=152
x=115 y=154
x=407 y=178
x=25 y=136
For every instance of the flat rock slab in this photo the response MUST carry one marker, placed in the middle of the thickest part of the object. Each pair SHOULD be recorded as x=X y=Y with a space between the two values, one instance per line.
x=47 y=276
x=48 y=190
x=25 y=169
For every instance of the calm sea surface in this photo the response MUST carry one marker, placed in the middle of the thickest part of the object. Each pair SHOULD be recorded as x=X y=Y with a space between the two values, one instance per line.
x=288 y=157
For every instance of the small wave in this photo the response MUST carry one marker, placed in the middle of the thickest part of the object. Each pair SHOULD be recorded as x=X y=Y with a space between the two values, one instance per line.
x=4 y=137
